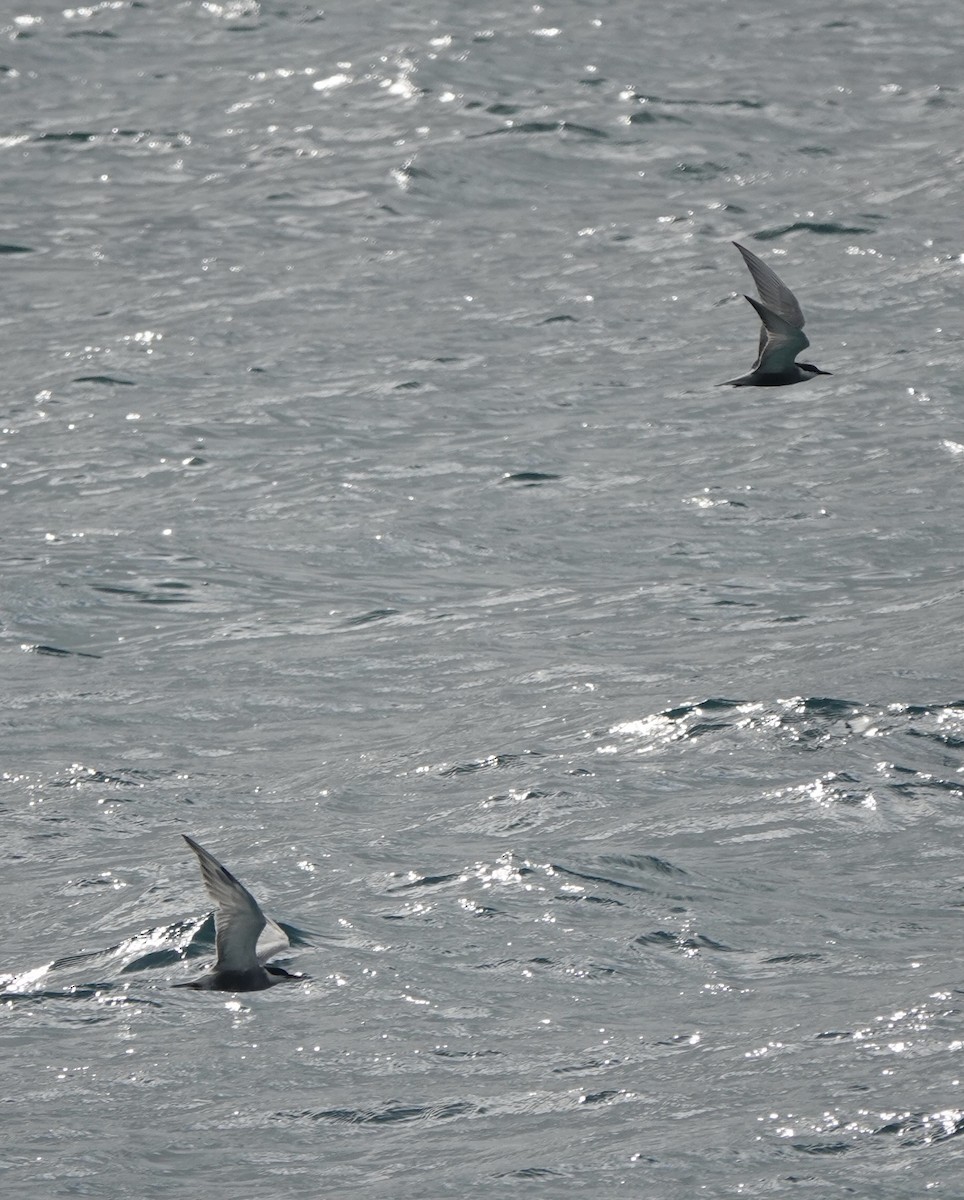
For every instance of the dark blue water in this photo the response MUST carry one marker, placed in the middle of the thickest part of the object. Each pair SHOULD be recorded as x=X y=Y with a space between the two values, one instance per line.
x=371 y=514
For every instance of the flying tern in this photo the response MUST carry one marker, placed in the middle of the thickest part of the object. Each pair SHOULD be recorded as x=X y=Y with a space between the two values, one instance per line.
x=242 y=964
x=781 y=335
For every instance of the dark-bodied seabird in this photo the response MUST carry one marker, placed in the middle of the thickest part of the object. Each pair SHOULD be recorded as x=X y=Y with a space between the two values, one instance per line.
x=781 y=336
x=238 y=923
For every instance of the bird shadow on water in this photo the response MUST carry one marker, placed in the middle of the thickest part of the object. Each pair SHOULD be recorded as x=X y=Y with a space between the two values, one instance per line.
x=99 y=974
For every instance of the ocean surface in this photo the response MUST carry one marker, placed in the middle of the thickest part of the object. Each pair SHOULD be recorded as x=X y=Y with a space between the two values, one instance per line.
x=371 y=513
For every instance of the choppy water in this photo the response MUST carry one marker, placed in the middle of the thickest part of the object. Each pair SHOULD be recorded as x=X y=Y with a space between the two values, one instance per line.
x=370 y=513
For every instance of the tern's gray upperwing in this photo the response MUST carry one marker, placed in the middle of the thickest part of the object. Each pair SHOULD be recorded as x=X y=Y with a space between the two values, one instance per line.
x=780 y=342
x=774 y=293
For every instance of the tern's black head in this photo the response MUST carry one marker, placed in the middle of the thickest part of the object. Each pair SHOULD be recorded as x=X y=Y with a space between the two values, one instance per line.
x=282 y=973
x=811 y=369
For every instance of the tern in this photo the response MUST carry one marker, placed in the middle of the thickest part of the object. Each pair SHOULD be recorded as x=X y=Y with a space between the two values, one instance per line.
x=781 y=335
x=238 y=921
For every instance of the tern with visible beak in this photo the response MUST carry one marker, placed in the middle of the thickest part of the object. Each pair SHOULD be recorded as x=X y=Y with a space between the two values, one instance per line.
x=242 y=965
x=781 y=336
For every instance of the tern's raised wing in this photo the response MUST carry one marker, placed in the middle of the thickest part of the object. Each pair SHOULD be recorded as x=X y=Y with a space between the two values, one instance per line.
x=238 y=920
x=780 y=342
x=774 y=293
